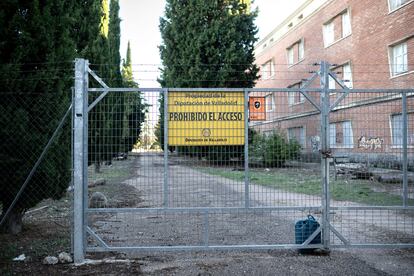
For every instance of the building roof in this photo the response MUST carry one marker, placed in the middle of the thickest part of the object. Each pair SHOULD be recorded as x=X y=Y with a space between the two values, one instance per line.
x=297 y=18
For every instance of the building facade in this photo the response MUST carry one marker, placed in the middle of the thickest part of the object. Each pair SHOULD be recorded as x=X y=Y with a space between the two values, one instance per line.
x=369 y=45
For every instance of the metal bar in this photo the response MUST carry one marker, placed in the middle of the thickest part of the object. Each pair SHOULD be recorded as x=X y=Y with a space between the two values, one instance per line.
x=311 y=100
x=405 y=148
x=96 y=237
x=201 y=248
x=309 y=82
x=97 y=100
x=203 y=209
x=304 y=91
x=78 y=173
x=98 y=79
x=123 y=89
x=385 y=91
x=231 y=90
x=342 y=238
x=165 y=188
x=381 y=246
x=373 y=208
x=324 y=71
x=274 y=90
x=35 y=166
x=101 y=82
x=85 y=150
x=311 y=237
x=339 y=99
x=72 y=151
x=337 y=80
x=246 y=150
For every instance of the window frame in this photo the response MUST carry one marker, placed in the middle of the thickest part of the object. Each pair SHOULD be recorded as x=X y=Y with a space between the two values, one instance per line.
x=333 y=134
x=391 y=10
x=392 y=131
x=350 y=81
x=332 y=29
x=346 y=14
x=392 y=60
x=269 y=68
x=272 y=106
x=290 y=52
x=302 y=98
x=302 y=140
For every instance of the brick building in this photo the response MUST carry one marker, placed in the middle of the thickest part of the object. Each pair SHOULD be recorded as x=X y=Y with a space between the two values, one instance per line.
x=370 y=45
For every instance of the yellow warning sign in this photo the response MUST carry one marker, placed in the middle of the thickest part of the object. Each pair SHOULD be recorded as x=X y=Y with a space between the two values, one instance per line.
x=205 y=118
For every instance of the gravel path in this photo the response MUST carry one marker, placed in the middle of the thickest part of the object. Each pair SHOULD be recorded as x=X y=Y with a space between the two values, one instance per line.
x=192 y=188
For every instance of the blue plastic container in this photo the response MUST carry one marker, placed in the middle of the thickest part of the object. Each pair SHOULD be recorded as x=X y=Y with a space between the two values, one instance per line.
x=304 y=229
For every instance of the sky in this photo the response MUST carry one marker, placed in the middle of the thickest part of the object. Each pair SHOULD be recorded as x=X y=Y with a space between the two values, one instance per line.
x=139 y=25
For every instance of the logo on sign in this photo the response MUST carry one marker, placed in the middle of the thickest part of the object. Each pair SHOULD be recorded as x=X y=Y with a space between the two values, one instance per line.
x=206 y=132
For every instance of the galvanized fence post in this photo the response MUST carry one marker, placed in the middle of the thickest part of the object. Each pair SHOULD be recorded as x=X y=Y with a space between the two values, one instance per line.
x=80 y=161
x=325 y=152
x=165 y=186
x=405 y=146
x=246 y=149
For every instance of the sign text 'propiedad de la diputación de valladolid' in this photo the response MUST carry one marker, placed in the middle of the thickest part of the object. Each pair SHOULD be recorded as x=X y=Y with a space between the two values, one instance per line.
x=205 y=118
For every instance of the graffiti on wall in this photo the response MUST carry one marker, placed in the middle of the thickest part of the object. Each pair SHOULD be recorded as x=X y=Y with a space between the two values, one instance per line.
x=315 y=142
x=371 y=143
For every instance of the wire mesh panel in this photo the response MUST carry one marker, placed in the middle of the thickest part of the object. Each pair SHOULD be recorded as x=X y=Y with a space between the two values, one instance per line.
x=284 y=158
x=195 y=169
x=372 y=167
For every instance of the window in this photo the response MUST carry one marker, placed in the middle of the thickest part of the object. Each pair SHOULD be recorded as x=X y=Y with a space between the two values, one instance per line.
x=343 y=71
x=399 y=56
x=328 y=33
x=298 y=134
x=290 y=56
x=296 y=52
x=332 y=34
x=270 y=102
x=268 y=70
x=295 y=97
x=341 y=135
x=397 y=130
x=332 y=83
x=395 y=4
x=347 y=75
x=301 y=52
x=346 y=24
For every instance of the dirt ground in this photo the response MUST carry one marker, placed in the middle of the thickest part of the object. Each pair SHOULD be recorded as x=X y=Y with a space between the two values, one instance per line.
x=46 y=231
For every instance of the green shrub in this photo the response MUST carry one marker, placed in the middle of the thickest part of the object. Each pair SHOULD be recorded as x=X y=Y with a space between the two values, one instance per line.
x=272 y=150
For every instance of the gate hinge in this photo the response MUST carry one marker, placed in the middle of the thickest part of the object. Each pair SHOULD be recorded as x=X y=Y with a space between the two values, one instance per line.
x=326 y=153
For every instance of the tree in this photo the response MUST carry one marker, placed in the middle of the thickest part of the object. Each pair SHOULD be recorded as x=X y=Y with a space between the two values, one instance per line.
x=39 y=40
x=105 y=119
x=36 y=73
x=135 y=108
x=207 y=44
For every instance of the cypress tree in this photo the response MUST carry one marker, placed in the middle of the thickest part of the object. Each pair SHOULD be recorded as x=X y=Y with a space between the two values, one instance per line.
x=135 y=108
x=36 y=73
x=101 y=116
x=207 y=44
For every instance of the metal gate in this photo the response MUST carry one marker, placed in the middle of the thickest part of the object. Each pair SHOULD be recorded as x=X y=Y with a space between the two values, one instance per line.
x=223 y=182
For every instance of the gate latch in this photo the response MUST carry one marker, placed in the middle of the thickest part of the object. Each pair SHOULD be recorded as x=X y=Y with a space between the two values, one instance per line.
x=326 y=153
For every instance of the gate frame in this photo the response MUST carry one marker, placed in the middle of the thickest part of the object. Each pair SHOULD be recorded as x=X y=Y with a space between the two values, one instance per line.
x=80 y=163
